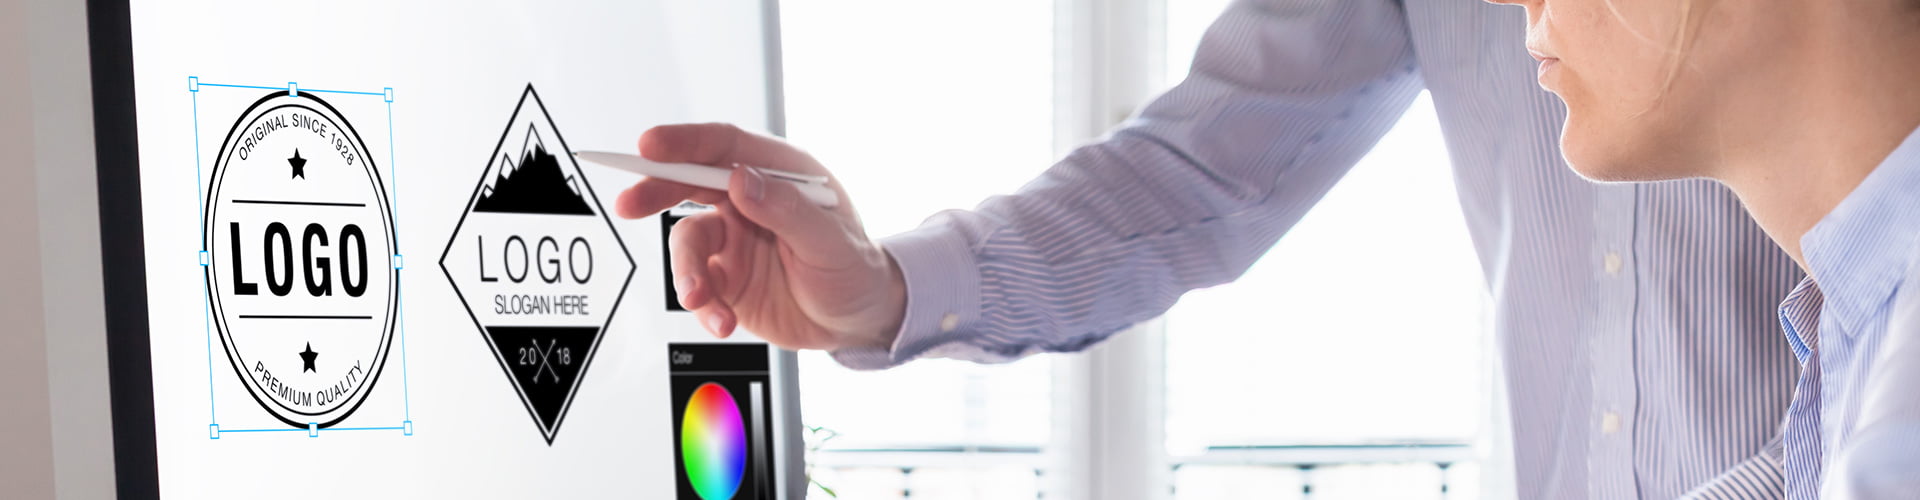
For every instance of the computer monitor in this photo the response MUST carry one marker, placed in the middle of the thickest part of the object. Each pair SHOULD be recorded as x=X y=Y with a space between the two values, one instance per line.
x=348 y=253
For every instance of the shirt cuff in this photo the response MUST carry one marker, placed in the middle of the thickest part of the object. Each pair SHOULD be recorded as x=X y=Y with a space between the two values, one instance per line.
x=943 y=296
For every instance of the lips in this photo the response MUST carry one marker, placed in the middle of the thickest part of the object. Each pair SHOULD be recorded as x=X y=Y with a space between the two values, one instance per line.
x=1547 y=64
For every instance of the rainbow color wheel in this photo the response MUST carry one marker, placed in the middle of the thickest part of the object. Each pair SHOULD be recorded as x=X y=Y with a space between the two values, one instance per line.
x=713 y=443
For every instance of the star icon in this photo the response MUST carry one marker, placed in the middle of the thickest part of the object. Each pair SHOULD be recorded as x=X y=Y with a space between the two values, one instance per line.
x=299 y=164
x=306 y=357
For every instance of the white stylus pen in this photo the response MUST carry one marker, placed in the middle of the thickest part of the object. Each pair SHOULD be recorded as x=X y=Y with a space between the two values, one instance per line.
x=814 y=187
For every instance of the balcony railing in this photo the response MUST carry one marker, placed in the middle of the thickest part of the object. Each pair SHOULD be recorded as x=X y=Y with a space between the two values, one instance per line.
x=1409 y=470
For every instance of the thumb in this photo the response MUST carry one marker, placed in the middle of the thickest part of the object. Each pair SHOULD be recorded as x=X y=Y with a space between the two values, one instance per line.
x=814 y=233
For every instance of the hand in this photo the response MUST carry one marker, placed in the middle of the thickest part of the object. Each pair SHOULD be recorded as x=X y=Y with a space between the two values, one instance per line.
x=798 y=275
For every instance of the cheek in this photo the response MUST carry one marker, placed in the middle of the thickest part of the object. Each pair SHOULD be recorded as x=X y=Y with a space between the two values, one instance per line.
x=1614 y=79
x=1621 y=51
x=1628 y=72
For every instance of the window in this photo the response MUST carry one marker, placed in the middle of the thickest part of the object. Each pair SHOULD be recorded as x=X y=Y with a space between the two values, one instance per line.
x=917 y=111
x=1186 y=21
x=921 y=106
x=1363 y=327
x=1350 y=357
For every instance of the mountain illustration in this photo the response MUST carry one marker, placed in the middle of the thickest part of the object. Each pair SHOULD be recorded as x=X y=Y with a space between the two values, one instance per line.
x=536 y=186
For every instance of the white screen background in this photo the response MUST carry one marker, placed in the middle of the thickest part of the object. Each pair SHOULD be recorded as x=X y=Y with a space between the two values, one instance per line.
x=605 y=70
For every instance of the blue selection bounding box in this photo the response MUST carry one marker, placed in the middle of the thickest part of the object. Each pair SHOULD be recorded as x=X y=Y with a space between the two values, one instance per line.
x=205 y=259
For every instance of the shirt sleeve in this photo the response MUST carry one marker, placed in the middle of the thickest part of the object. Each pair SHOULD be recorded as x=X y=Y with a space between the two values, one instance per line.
x=1283 y=98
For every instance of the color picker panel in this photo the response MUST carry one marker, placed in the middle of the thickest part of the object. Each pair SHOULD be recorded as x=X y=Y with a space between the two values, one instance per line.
x=721 y=421
x=713 y=442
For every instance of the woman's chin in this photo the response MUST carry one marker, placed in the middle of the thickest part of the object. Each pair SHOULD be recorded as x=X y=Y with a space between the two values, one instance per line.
x=1603 y=171
x=1615 y=162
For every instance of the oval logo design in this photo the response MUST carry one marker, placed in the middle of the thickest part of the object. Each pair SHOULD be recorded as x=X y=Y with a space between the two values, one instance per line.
x=299 y=236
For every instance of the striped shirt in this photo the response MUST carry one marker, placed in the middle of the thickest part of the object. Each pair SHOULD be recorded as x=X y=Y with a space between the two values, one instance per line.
x=1636 y=322
x=1853 y=419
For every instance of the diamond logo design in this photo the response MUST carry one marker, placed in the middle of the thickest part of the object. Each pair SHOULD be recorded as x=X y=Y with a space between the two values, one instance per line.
x=538 y=264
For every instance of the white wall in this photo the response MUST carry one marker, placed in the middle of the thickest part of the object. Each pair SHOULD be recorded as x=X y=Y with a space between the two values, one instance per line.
x=26 y=464
x=55 y=424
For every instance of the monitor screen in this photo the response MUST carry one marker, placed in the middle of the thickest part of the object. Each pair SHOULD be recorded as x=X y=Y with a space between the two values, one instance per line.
x=372 y=267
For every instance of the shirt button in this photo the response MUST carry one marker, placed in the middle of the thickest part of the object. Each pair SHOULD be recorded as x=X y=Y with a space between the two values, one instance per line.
x=1612 y=263
x=1610 y=423
x=949 y=322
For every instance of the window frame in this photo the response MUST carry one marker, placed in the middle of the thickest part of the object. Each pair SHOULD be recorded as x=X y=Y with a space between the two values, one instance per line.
x=1108 y=438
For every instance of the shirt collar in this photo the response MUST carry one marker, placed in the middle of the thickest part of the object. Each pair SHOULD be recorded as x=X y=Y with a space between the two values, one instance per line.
x=1859 y=251
x=1800 y=318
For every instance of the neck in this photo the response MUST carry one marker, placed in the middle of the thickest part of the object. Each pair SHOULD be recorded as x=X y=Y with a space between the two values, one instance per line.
x=1826 y=116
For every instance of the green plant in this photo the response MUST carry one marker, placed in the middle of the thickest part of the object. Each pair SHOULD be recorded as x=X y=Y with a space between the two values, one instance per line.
x=817 y=438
